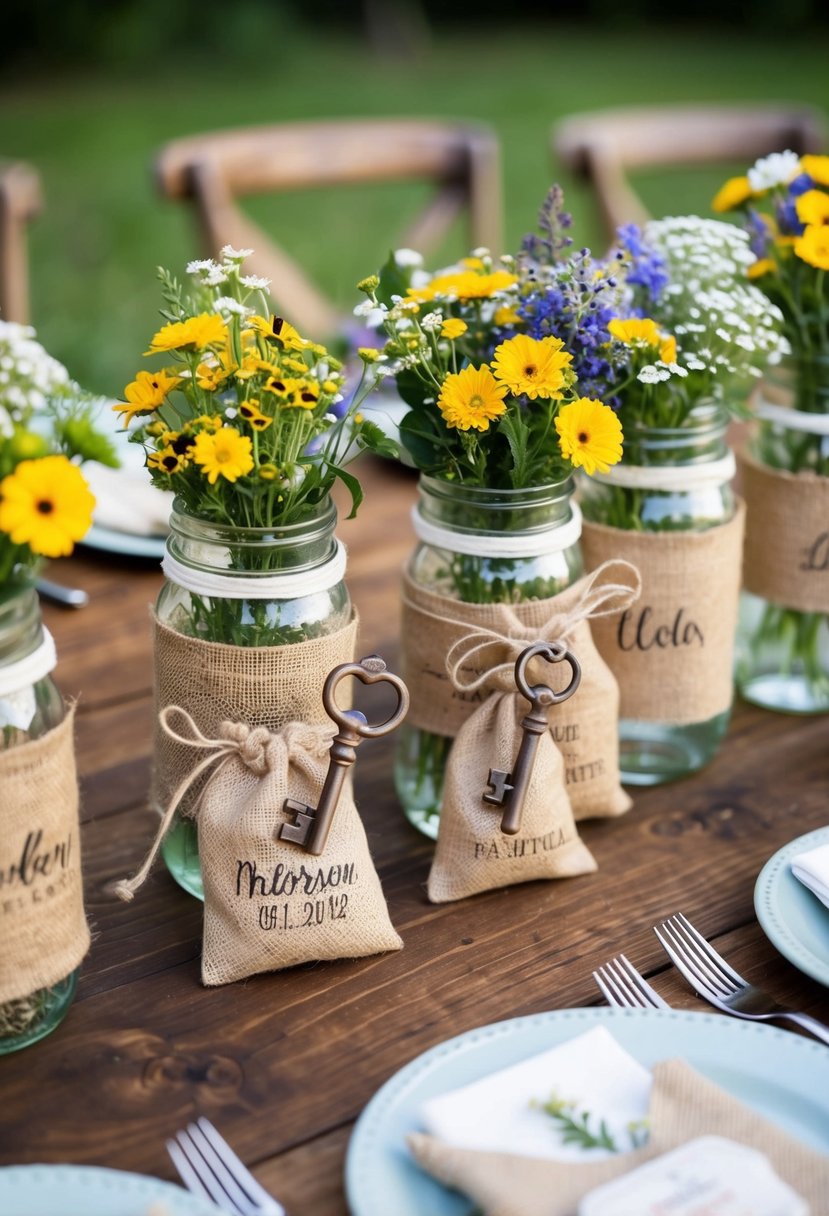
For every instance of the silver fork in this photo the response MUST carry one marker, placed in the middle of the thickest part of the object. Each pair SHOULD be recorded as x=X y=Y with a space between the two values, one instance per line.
x=719 y=984
x=622 y=985
x=208 y=1167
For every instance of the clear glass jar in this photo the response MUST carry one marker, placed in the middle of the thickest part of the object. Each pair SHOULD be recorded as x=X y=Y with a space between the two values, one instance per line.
x=653 y=752
x=783 y=654
x=206 y=548
x=472 y=511
x=26 y=714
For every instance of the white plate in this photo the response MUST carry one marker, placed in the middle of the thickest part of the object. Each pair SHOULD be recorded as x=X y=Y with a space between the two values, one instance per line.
x=88 y=1190
x=791 y=916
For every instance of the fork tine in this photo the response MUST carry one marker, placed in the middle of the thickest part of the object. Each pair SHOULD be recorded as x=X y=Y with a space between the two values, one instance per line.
x=207 y=1180
x=651 y=996
x=186 y=1172
x=705 y=945
x=237 y=1167
x=717 y=981
x=682 y=964
x=607 y=992
x=232 y=1186
x=623 y=996
x=635 y=997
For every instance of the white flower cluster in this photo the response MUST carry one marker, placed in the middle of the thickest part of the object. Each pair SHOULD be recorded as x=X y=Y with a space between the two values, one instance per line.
x=212 y=274
x=29 y=376
x=774 y=170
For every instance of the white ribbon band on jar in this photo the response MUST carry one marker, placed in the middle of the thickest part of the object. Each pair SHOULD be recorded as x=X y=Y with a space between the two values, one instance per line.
x=279 y=586
x=488 y=544
x=25 y=672
x=793 y=420
x=670 y=478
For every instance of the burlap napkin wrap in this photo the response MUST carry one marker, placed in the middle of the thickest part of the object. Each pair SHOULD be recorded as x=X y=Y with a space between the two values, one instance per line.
x=268 y=904
x=672 y=653
x=585 y=728
x=214 y=682
x=684 y=1105
x=786 y=555
x=44 y=930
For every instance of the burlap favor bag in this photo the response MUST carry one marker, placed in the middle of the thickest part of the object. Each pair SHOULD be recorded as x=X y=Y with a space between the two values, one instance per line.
x=269 y=904
x=45 y=934
x=449 y=647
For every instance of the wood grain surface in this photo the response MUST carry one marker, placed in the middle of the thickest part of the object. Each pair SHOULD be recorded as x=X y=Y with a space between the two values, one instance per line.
x=284 y=1063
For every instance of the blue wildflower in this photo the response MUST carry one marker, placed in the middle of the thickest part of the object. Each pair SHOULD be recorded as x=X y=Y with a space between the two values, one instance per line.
x=758 y=233
x=647 y=267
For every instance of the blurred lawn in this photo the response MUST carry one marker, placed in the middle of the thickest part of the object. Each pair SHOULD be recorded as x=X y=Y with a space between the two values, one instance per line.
x=95 y=249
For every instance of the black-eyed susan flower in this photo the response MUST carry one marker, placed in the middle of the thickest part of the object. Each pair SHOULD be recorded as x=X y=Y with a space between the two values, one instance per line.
x=206 y=329
x=471 y=399
x=47 y=505
x=305 y=394
x=145 y=394
x=250 y=411
x=167 y=460
x=533 y=367
x=224 y=453
x=589 y=435
x=279 y=385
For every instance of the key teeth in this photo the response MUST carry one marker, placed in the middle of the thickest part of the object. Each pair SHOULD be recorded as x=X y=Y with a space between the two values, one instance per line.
x=373 y=663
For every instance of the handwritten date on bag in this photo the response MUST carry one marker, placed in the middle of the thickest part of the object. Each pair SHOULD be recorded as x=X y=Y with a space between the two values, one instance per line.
x=643 y=634
x=510 y=789
x=312 y=824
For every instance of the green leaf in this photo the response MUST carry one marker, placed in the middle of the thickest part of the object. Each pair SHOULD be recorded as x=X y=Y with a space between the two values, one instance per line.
x=412 y=389
x=424 y=440
x=394 y=281
x=353 y=486
x=373 y=439
x=516 y=433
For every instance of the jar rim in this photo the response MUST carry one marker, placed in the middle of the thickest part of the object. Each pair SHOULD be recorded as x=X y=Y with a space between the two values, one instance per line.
x=486 y=494
x=320 y=520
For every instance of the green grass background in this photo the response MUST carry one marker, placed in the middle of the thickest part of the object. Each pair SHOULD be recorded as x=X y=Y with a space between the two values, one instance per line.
x=93 y=136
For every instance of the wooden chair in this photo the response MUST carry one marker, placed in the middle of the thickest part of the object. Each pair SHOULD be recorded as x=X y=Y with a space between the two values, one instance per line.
x=604 y=146
x=20 y=201
x=213 y=171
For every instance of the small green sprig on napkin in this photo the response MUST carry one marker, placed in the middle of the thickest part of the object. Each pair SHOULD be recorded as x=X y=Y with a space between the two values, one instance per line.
x=575 y=1126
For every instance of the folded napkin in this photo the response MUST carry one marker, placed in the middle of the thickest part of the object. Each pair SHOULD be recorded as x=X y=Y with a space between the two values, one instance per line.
x=812 y=869
x=683 y=1106
x=125 y=499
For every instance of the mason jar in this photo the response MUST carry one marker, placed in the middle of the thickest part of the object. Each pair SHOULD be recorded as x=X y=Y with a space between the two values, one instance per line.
x=248 y=587
x=30 y=707
x=700 y=497
x=468 y=538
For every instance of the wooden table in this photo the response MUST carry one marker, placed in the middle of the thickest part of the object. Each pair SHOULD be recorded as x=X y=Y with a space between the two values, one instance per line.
x=285 y=1063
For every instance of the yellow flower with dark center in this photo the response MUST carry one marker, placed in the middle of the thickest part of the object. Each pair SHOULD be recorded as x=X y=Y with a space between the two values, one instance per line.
x=180 y=441
x=667 y=350
x=280 y=385
x=167 y=460
x=471 y=399
x=589 y=435
x=250 y=411
x=304 y=394
x=463 y=285
x=762 y=266
x=637 y=331
x=207 y=329
x=145 y=394
x=734 y=192
x=452 y=328
x=285 y=335
x=813 y=246
x=47 y=505
x=817 y=167
x=813 y=207
x=534 y=367
x=225 y=453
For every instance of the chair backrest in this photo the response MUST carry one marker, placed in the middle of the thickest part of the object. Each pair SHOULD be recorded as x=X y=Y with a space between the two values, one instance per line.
x=20 y=201
x=213 y=171
x=604 y=146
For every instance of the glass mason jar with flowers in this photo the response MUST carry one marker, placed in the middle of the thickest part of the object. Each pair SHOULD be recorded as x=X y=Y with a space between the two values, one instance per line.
x=783 y=660
x=496 y=425
x=248 y=425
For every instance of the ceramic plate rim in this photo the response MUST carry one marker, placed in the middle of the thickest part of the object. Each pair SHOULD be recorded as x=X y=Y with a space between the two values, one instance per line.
x=768 y=883
x=143 y=1186
x=363 y=1142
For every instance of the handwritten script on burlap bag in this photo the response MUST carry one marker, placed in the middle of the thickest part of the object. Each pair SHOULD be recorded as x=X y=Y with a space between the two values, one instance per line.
x=585 y=729
x=268 y=904
x=786 y=555
x=44 y=930
x=672 y=653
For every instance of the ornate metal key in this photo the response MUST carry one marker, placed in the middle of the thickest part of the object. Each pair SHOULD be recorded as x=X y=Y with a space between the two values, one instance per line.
x=511 y=788
x=312 y=824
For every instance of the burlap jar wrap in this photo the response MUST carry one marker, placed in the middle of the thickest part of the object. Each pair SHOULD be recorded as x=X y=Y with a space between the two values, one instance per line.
x=585 y=728
x=44 y=931
x=265 y=685
x=683 y=1106
x=268 y=904
x=672 y=653
x=786 y=555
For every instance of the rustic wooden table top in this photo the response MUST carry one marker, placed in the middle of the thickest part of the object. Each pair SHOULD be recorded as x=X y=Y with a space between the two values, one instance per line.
x=284 y=1063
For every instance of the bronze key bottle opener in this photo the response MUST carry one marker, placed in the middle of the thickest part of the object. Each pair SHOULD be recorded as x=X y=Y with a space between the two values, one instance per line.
x=312 y=824
x=511 y=788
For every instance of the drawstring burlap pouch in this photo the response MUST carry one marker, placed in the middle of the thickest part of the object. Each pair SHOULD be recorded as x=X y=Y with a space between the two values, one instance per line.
x=684 y=1105
x=672 y=653
x=45 y=934
x=447 y=677
x=268 y=904
x=215 y=682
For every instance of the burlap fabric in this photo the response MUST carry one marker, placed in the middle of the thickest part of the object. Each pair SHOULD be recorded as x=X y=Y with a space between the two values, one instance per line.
x=264 y=685
x=672 y=653
x=585 y=728
x=268 y=904
x=44 y=930
x=684 y=1105
x=786 y=555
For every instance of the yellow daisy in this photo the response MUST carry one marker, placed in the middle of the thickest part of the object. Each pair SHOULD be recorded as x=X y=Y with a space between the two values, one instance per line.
x=762 y=266
x=167 y=460
x=285 y=334
x=225 y=453
x=207 y=329
x=813 y=207
x=212 y=376
x=636 y=331
x=464 y=285
x=145 y=394
x=452 y=328
x=817 y=167
x=47 y=505
x=471 y=399
x=735 y=192
x=813 y=246
x=535 y=367
x=589 y=435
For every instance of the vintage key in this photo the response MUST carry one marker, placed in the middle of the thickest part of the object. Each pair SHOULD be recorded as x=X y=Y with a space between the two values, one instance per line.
x=312 y=824
x=511 y=788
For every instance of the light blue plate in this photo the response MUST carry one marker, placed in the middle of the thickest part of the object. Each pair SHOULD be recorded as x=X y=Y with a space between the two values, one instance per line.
x=779 y=1074
x=792 y=918
x=87 y=1190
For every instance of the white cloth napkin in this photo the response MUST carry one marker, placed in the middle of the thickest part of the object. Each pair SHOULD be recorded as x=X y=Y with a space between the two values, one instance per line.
x=812 y=869
x=502 y=1112
x=125 y=499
